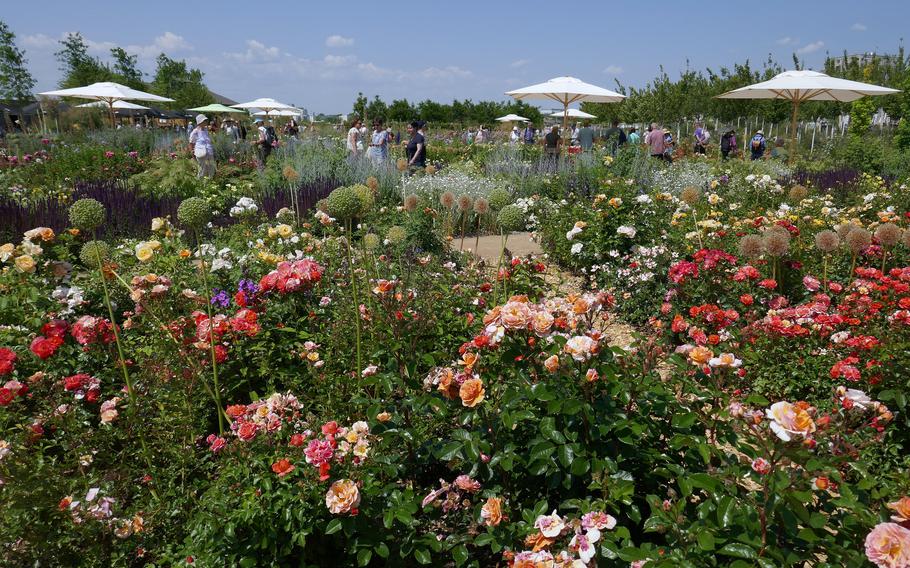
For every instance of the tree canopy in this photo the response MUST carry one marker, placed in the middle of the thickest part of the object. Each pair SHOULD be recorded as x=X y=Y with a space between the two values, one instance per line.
x=15 y=80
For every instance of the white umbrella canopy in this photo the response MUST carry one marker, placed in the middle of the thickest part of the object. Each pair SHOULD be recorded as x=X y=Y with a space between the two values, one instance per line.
x=573 y=113
x=567 y=90
x=512 y=118
x=118 y=105
x=801 y=86
x=265 y=104
x=283 y=112
x=108 y=92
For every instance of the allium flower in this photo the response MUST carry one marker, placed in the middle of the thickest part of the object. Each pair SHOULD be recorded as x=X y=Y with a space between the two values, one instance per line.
x=858 y=240
x=776 y=243
x=343 y=497
x=87 y=214
x=761 y=466
x=511 y=218
x=690 y=195
x=888 y=234
x=788 y=420
x=410 y=203
x=751 y=246
x=550 y=525
x=194 y=212
x=491 y=512
x=481 y=206
x=798 y=193
x=888 y=546
x=447 y=200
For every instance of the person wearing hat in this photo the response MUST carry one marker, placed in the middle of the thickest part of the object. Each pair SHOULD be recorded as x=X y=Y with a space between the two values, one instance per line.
x=263 y=141
x=202 y=148
x=758 y=145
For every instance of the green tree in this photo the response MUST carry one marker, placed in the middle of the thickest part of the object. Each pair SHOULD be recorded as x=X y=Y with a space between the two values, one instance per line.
x=126 y=68
x=174 y=80
x=377 y=109
x=902 y=136
x=15 y=80
x=78 y=67
x=360 y=105
x=401 y=111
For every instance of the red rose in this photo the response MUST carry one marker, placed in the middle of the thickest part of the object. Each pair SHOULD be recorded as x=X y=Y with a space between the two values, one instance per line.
x=6 y=367
x=247 y=431
x=283 y=467
x=44 y=347
x=6 y=396
x=297 y=440
x=54 y=328
x=746 y=299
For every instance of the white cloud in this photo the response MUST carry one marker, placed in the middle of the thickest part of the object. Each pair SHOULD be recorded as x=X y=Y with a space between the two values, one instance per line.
x=614 y=70
x=339 y=41
x=39 y=41
x=519 y=63
x=858 y=27
x=339 y=60
x=256 y=52
x=810 y=48
x=445 y=73
x=787 y=41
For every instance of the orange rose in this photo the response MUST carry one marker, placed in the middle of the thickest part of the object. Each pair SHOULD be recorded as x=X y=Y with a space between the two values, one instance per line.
x=542 y=323
x=283 y=467
x=471 y=392
x=491 y=512
x=343 y=497
x=700 y=355
x=185 y=253
x=902 y=508
x=515 y=315
x=446 y=376
x=552 y=363
x=538 y=541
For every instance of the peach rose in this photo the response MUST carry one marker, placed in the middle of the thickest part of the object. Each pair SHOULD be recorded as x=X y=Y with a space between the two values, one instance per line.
x=888 y=546
x=902 y=508
x=25 y=263
x=700 y=355
x=789 y=419
x=343 y=497
x=491 y=512
x=471 y=392
x=515 y=315
x=542 y=322
x=552 y=363
x=580 y=347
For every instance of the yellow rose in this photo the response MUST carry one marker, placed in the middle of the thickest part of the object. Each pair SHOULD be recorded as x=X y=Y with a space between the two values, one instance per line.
x=6 y=251
x=144 y=252
x=158 y=223
x=154 y=244
x=284 y=231
x=25 y=263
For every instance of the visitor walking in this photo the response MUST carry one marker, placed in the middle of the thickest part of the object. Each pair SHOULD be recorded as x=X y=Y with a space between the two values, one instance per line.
x=728 y=144
x=614 y=137
x=264 y=141
x=669 y=145
x=552 y=143
x=655 y=141
x=634 y=139
x=701 y=139
x=416 y=150
x=529 y=134
x=353 y=140
x=202 y=148
x=514 y=136
x=758 y=145
x=586 y=137
x=379 y=143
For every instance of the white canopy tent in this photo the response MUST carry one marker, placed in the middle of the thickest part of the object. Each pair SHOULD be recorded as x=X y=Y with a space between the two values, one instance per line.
x=512 y=118
x=801 y=86
x=566 y=91
x=107 y=92
x=573 y=113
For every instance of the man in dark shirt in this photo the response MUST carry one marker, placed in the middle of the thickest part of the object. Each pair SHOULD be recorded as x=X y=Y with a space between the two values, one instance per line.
x=614 y=137
x=552 y=143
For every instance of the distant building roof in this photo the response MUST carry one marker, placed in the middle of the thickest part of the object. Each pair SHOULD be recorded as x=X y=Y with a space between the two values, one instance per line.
x=222 y=99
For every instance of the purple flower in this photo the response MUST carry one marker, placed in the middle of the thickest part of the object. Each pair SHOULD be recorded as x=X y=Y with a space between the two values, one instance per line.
x=247 y=286
x=221 y=299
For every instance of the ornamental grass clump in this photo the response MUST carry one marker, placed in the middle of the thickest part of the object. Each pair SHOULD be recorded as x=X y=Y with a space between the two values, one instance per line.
x=87 y=214
x=888 y=235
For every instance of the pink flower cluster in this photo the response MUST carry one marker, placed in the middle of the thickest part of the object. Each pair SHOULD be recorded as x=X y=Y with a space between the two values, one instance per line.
x=454 y=495
x=292 y=276
x=90 y=329
x=268 y=415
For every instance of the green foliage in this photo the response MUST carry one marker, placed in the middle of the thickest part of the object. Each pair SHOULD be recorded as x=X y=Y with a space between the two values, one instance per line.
x=15 y=80
x=499 y=198
x=78 y=67
x=511 y=218
x=168 y=177
x=173 y=79
x=344 y=203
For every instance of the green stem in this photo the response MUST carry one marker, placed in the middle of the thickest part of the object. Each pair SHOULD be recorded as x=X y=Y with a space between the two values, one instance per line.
x=356 y=297
x=208 y=310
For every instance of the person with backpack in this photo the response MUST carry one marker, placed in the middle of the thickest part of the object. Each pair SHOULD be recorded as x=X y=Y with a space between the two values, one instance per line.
x=701 y=139
x=265 y=142
x=758 y=145
x=728 y=144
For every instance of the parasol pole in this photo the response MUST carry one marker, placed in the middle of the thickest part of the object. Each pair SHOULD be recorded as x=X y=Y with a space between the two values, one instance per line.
x=110 y=106
x=793 y=122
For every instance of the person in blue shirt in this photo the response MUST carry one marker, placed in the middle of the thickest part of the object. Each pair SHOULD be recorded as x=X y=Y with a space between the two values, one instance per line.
x=758 y=145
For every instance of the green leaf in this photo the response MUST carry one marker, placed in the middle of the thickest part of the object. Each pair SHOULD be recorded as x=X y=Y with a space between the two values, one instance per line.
x=738 y=550
x=566 y=455
x=422 y=556
x=460 y=554
x=333 y=527
x=382 y=550
x=364 y=556
x=725 y=512
x=705 y=540
x=817 y=521
x=684 y=420
x=449 y=451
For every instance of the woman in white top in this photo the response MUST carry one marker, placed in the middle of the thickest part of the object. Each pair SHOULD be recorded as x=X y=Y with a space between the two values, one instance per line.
x=354 y=137
x=202 y=148
x=379 y=143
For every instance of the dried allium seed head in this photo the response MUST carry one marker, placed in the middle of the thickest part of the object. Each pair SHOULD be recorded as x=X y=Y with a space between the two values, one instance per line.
x=776 y=243
x=905 y=238
x=430 y=170
x=402 y=164
x=481 y=206
x=290 y=174
x=888 y=234
x=750 y=246
x=447 y=200
x=464 y=203
x=858 y=239
x=777 y=229
x=827 y=241
x=410 y=203
x=798 y=193
x=690 y=195
x=373 y=183
x=844 y=229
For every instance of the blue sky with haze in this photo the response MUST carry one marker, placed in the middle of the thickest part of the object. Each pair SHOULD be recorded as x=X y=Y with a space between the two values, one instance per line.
x=320 y=54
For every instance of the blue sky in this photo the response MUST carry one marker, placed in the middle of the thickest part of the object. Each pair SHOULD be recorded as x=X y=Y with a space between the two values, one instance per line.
x=319 y=55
